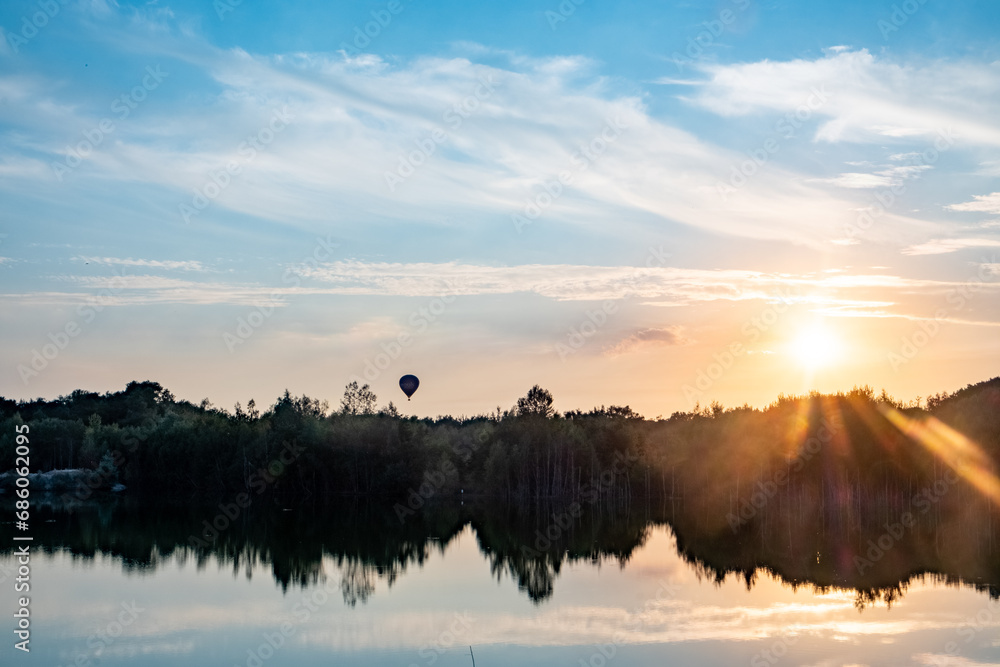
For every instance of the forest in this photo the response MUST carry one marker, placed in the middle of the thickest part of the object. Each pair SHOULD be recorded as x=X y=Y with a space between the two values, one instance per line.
x=859 y=451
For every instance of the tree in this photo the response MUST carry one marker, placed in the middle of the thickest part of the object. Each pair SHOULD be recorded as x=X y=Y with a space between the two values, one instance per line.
x=358 y=400
x=619 y=412
x=537 y=402
x=390 y=411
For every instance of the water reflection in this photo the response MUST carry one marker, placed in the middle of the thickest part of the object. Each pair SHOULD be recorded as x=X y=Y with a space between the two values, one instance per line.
x=875 y=559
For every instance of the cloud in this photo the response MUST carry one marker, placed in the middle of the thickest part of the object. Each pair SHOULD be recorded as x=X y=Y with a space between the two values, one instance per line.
x=653 y=337
x=568 y=282
x=889 y=177
x=980 y=204
x=947 y=659
x=856 y=180
x=862 y=98
x=127 y=282
x=663 y=286
x=860 y=294
x=501 y=147
x=668 y=81
x=147 y=263
x=656 y=286
x=942 y=246
x=352 y=150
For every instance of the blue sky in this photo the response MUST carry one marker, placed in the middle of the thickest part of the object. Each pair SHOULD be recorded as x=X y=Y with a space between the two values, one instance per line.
x=624 y=202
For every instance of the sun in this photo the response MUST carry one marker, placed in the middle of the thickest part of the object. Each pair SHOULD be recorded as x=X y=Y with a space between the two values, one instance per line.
x=815 y=346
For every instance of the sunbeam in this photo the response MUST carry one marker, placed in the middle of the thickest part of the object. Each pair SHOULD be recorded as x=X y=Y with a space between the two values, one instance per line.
x=958 y=452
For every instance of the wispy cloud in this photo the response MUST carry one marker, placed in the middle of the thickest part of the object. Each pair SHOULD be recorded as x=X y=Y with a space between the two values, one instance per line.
x=128 y=282
x=942 y=246
x=869 y=98
x=561 y=282
x=891 y=176
x=580 y=282
x=186 y=265
x=980 y=204
x=859 y=181
x=349 y=130
x=948 y=659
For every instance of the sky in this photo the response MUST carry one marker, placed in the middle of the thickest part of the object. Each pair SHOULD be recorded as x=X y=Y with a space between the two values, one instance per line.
x=631 y=203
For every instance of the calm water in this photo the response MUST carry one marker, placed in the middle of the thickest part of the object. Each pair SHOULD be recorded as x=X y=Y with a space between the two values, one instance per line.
x=118 y=585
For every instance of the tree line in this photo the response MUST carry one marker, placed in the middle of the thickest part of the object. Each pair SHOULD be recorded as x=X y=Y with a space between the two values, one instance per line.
x=299 y=448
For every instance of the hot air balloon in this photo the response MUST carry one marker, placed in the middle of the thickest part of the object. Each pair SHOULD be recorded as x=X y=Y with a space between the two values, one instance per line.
x=409 y=384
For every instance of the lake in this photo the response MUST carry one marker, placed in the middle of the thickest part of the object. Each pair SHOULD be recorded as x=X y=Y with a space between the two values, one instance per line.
x=127 y=583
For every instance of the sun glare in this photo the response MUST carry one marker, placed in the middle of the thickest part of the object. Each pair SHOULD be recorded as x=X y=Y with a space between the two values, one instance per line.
x=815 y=347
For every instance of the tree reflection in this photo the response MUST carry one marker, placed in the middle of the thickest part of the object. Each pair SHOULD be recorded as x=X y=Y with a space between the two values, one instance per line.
x=366 y=545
